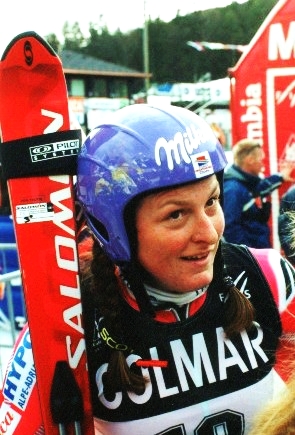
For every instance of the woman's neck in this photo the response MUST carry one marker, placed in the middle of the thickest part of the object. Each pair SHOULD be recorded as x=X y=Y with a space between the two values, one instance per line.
x=159 y=297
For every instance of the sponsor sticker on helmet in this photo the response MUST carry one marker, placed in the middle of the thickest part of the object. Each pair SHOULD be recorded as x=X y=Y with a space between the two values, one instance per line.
x=202 y=164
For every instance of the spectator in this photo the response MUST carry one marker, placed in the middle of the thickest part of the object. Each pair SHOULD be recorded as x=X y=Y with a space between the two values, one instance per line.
x=247 y=205
x=286 y=224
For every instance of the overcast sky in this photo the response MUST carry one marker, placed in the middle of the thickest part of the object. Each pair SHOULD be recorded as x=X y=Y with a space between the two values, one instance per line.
x=44 y=17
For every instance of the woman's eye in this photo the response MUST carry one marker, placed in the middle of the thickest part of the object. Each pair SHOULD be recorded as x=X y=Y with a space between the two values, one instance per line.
x=175 y=214
x=213 y=201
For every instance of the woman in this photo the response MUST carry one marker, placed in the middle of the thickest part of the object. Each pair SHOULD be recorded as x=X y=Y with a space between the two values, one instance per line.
x=173 y=345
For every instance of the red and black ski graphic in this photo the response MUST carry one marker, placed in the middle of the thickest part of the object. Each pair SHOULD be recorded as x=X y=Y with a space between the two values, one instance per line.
x=39 y=160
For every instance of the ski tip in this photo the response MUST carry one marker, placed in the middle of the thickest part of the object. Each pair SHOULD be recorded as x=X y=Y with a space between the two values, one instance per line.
x=25 y=35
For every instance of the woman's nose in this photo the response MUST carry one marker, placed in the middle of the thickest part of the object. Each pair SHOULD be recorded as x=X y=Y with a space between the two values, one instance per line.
x=204 y=230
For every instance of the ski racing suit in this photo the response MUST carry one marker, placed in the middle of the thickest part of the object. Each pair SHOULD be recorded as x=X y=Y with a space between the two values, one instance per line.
x=211 y=384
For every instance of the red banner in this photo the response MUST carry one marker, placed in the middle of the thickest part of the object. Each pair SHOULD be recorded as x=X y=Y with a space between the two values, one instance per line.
x=263 y=93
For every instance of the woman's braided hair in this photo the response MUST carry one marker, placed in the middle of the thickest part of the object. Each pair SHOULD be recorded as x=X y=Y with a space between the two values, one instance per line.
x=103 y=288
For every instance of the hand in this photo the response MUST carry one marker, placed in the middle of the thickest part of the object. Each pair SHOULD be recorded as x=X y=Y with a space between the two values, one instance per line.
x=286 y=167
x=2 y=288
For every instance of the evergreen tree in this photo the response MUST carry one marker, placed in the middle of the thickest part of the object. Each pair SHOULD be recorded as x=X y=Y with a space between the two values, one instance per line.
x=170 y=58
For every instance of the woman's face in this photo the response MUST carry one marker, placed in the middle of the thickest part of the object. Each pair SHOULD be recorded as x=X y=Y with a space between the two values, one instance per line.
x=178 y=235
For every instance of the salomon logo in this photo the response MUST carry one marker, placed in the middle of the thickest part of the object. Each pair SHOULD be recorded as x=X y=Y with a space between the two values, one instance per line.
x=28 y=52
x=54 y=150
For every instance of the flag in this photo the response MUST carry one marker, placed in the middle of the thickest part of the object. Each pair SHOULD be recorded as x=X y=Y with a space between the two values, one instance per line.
x=201 y=46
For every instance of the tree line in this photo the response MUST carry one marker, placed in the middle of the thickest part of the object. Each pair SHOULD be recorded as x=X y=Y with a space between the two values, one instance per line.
x=171 y=59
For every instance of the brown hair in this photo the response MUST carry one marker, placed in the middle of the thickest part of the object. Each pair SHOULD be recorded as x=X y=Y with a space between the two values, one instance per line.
x=243 y=148
x=105 y=294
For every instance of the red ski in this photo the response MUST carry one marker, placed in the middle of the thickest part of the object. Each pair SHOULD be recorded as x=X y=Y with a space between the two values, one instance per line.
x=39 y=161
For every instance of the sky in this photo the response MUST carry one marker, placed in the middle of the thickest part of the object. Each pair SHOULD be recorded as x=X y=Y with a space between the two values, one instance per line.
x=17 y=16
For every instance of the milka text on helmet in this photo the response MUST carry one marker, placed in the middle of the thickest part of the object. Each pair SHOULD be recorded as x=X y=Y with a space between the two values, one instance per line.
x=183 y=147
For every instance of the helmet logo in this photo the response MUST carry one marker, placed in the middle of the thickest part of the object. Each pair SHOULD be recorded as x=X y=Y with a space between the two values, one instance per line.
x=202 y=164
x=182 y=146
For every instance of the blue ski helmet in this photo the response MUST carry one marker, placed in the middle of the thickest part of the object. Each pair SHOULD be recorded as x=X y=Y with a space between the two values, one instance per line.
x=139 y=149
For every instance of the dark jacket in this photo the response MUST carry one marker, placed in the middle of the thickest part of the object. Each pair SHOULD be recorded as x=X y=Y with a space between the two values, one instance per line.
x=286 y=232
x=247 y=207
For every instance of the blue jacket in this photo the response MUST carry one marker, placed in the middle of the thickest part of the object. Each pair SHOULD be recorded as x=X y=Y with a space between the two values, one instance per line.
x=247 y=207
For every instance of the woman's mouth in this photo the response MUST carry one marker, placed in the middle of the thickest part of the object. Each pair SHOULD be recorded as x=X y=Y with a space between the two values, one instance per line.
x=195 y=257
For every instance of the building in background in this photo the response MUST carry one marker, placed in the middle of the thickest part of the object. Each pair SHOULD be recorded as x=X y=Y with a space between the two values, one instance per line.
x=209 y=99
x=96 y=87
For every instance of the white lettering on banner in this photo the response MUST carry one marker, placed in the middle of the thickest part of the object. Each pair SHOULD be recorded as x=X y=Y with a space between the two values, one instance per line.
x=279 y=46
x=182 y=145
x=193 y=369
x=67 y=259
x=253 y=115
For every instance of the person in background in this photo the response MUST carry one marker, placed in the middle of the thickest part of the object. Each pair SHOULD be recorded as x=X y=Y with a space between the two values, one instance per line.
x=278 y=415
x=182 y=329
x=247 y=204
x=286 y=224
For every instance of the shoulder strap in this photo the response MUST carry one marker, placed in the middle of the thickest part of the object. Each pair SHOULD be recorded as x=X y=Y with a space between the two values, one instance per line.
x=253 y=271
x=266 y=259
